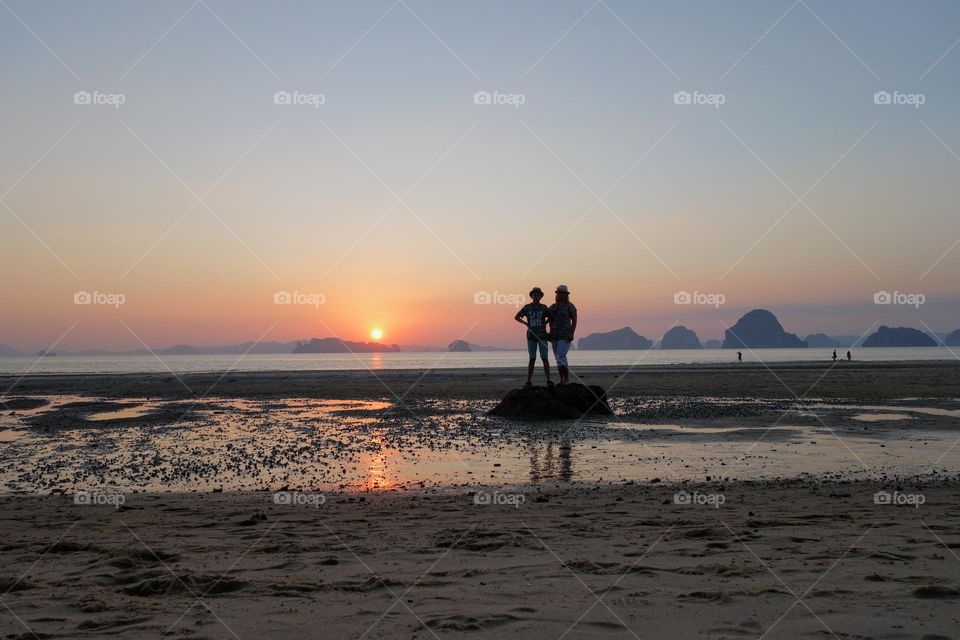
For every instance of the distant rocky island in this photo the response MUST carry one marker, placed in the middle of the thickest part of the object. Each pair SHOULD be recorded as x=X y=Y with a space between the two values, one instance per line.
x=899 y=337
x=712 y=344
x=625 y=338
x=459 y=345
x=822 y=341
x=760 y=329
x=680 y=337
x=953 y=339
x=336 y=345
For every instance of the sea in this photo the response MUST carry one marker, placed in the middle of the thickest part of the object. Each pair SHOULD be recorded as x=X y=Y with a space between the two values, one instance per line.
x=63 y=364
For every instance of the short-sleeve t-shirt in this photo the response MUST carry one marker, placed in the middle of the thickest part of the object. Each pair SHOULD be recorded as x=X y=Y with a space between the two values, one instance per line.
x=536 y=315
x=561 y=320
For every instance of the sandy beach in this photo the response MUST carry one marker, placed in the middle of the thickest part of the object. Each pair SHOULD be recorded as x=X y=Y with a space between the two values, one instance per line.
x=715 y=502
x=783 y=560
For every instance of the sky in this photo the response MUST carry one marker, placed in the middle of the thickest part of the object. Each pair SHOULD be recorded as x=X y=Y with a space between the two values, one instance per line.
x=213 y=171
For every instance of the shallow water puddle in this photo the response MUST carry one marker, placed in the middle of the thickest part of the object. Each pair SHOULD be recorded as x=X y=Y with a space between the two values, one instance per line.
x=326 y=445
x=881 y=417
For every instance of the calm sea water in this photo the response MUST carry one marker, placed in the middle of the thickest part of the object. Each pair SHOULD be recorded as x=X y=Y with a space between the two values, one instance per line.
x=485 y=360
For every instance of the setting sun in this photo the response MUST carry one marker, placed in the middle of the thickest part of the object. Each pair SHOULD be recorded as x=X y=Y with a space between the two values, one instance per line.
x=376 y=334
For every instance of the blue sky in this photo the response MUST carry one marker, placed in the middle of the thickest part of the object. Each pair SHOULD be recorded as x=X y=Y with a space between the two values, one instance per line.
x=502 y=197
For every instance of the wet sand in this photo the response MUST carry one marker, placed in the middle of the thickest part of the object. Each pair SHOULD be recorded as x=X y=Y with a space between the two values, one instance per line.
x=359 y=505
x=776 y=560
x=851 y=380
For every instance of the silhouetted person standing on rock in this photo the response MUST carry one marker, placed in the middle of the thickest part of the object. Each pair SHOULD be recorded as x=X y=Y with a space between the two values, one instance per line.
x=563 y=326
x=534 y=317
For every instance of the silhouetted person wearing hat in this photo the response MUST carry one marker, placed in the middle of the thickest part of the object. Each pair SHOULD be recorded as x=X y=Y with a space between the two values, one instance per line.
x=563 y=326
x=534 y=316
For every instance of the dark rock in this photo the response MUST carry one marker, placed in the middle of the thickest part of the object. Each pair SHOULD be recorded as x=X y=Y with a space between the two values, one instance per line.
x=680 y=337
x=953 y=339
x=625 y=338
x=459 y=345
x=760 y=329
x=562 y=402
x=712 y=344
x=899 y=337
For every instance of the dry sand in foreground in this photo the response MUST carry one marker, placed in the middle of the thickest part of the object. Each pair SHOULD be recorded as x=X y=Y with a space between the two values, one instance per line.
x=775 y=561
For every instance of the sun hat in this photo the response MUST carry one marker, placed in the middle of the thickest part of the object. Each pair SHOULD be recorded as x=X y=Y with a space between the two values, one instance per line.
x=562 y=288
x=536 y=290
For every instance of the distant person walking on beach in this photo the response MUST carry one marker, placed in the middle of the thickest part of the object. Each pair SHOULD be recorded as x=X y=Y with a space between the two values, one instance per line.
x=563 y=326
x=534 y=316
x=834 y=355
x=849 y=356
x=739 y=356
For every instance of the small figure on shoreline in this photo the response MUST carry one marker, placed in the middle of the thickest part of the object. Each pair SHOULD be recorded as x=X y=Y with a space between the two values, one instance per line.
x=739 y=356
x=535 y=316
x=849 y=356
x=834 y=355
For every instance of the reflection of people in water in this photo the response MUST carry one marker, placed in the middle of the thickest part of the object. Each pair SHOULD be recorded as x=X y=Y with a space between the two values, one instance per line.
x=543 y=463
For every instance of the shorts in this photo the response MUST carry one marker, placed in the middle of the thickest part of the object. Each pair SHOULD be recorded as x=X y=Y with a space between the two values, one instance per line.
x=532 y=344
x=560 y=348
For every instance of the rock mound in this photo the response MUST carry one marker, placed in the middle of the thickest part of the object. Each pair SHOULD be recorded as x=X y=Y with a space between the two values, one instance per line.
x=953 y=339
x=680 y=337
x=899 y=337
x=625 y=338
x=459 y=346
x=760 y=329
x=562 y=402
